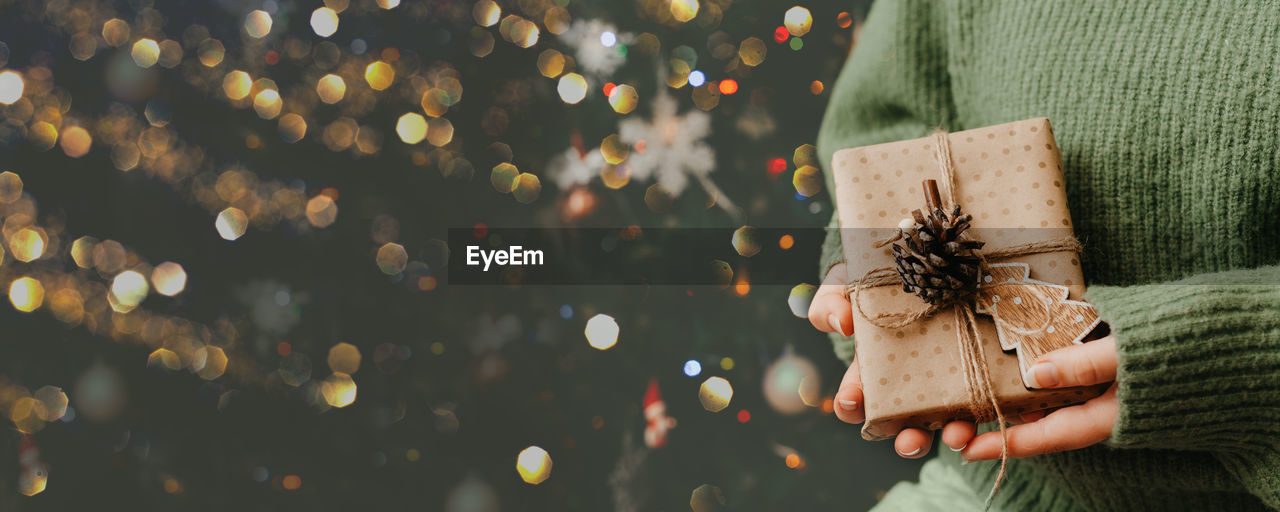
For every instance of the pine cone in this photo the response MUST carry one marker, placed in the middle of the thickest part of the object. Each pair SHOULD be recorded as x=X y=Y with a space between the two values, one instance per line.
x=934 y=260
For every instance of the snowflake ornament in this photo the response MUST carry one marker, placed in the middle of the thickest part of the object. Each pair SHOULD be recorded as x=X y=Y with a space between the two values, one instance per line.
x=597 y=46
x=669 y=148
x=575 y=167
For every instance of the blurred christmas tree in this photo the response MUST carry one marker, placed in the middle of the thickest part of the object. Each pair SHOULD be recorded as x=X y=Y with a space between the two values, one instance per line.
x=224 y=228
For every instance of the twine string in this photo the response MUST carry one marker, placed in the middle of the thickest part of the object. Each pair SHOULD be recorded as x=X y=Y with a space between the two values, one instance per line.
x=982 y=403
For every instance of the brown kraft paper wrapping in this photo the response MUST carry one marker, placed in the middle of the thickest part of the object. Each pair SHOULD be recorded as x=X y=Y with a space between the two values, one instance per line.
x=1009 y=178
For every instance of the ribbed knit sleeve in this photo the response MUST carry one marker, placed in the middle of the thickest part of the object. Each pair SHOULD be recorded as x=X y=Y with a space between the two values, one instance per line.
x=1199 y=369
x=893 y=87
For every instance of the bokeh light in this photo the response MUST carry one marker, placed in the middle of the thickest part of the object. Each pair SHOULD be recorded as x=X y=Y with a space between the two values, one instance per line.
x=169 y=278
x=807 y=181
x=572 y=88
x=128 y=289
x=503 y=177
x=231 y=223
x=237 y=85
x=602 y=332
x=715 y=394
x=527 y=188
x=692 y=368
x=411 y=128
x=322 y=211
x=258 y=24
x=75 y=141
x=26 y=294
x=379 y=75
x=324 y=21
x=624 y=99
x=392 y=258
x=684 y=10
x=27 y=244
x=145 y=53
x=338 y=390
x=534 y=465
x=746 y=241
x=486 y=13
x=11 y=87
x=331 y=88
x=797 y=20
x=344 y=358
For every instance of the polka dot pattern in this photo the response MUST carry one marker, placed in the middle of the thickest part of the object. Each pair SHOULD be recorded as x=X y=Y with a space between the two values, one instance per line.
x=1009 y=178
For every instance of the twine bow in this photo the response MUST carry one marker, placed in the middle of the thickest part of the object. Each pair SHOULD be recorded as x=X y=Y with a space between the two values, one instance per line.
x=982 y=401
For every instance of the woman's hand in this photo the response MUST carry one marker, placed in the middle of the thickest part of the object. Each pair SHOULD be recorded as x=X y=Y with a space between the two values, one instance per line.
x=830 y=311
x=1069 y=428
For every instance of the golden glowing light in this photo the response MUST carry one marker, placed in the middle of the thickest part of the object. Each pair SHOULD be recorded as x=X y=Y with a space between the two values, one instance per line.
x=331 y=88
x=324 y=21
x=392 y=258
x=816 y=87
x=231 y=223
x=169 y=278
x=440 y=131
x=211 y=52
x=75 y=141
x=82 y=251
x=411 y=128
x=257 y=24
x=145 y=53
x=344 y=358
x=534 y=465
x=527 y=188
x=602 y=332
x=614 y=150
x=752 y=51
x=379 y=75
x=503 y=177
x=338 y=390
x=572 y=88
x=53 y=400
x=210 y=362
x=486 y=13
x=11 y=86
x=10 y=187
x=524 y=33
x=237 y=85
x=26 y=294
x=684 y=10
x=33 y=482
x=715 y=394
x=797 y=20
x=115 y=31
x=27 y=244
x=322 y=211
x=388 y=4
x=267 y=103
x=746 y=241
x=624 y=99
x=164 y=358
x=550 y=63
x=128 y=289
x=807 y=180
x=292 y=127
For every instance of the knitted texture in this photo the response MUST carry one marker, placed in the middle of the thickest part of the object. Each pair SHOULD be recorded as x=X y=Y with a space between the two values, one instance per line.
x=1168 y=116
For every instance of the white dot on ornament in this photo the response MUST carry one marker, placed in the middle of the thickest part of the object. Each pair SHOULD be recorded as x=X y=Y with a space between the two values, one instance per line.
x=986 y=279
x=906 y=224
x=1051 y=329
x=1079 y=318
x=995 y=298
x=1017 y=300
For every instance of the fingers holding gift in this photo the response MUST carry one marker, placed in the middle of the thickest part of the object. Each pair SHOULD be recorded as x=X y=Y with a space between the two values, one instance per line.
x=1069 y=428
x=849 y=396
x=1078 y=365
x=957 y=434
x=913 y=443
x=830 y=310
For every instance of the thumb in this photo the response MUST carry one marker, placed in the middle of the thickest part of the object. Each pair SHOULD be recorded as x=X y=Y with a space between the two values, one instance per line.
x=1078 y=365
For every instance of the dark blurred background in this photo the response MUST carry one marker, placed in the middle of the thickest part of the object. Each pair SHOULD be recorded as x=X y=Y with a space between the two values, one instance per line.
x=225 y=230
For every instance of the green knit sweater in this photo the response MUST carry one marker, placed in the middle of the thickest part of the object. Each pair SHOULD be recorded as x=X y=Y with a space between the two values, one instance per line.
x=1168 y=116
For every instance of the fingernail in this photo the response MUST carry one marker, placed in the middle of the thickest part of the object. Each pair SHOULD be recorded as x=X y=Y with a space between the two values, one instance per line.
x=834 y=321
x=1043 y=375
x=966 y=445
x=911 y=453
x=964 y=461
x=849 y=405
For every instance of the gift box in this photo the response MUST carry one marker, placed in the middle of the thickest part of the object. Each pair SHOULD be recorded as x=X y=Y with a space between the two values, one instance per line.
x=1027 y=299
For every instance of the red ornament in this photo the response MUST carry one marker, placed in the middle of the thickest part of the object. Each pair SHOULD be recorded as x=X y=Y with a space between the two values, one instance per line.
x=658 y=424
